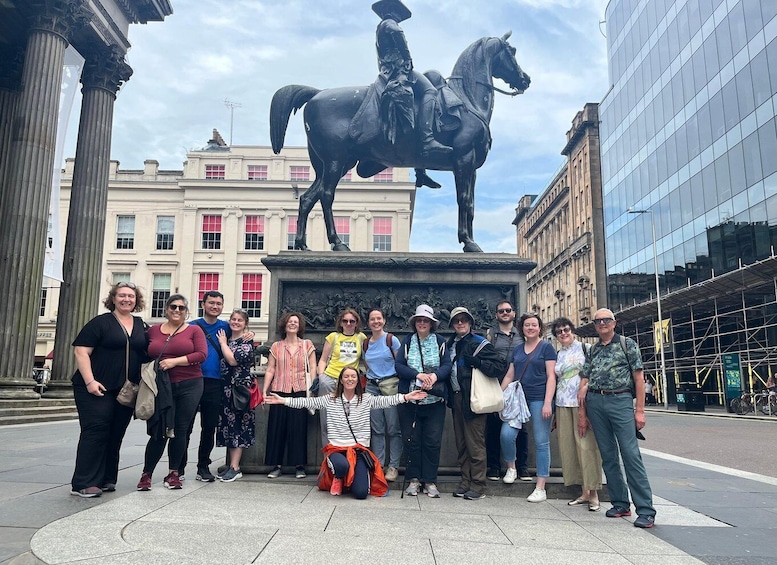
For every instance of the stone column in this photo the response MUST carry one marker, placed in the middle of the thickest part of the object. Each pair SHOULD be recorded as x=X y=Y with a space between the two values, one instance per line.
x=11 y=65
x=28 y=188
x=104 y=72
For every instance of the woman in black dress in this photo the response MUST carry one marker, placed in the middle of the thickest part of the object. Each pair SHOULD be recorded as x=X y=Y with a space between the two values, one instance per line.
x=109 y=349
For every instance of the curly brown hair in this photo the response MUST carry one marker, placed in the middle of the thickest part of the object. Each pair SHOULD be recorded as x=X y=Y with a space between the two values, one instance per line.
x=285 y=320
x=140 y=304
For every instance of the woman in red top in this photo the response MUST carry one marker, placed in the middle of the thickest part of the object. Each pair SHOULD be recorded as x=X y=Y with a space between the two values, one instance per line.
x=183 y=348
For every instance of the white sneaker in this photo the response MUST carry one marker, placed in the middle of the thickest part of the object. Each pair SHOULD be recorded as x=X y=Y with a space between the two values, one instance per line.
x=510 y=476
x=538 y=495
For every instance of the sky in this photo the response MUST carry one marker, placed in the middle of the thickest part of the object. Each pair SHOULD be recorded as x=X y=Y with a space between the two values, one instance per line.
x=210 y=51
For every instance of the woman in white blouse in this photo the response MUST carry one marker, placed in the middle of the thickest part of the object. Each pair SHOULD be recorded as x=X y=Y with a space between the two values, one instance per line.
x=581 y=462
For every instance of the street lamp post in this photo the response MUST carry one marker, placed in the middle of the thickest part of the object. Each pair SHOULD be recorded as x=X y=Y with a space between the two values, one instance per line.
x=658 y=304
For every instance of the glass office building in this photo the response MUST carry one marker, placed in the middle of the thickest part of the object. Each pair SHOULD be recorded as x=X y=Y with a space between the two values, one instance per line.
x=689 y=142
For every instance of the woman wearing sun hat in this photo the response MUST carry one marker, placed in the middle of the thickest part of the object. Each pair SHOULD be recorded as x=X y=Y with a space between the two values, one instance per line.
x=422 y=363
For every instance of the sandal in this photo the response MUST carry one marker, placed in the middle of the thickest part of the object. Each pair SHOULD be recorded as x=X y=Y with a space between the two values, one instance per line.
x=593 y=505
x=578 y=501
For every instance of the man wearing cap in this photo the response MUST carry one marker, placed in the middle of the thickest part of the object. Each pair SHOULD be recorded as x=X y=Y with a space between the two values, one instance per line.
x=611 y=375
x=470 y=428
x=396 y=67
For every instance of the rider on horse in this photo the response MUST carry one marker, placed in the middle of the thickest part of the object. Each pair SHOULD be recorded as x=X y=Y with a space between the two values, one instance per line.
x=396 y=67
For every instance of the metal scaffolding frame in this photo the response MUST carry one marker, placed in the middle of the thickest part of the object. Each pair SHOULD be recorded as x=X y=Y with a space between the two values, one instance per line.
x=731 y=313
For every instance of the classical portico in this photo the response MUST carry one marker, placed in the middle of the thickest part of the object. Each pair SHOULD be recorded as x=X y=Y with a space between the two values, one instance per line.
x=34 y=35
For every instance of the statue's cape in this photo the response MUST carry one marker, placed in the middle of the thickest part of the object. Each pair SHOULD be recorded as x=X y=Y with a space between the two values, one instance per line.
x=367 y=124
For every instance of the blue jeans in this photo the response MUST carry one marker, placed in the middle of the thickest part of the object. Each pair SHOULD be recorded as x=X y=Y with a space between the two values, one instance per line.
x=612 y=419
x=541 y=432
x=384 y=422
x=360 y=487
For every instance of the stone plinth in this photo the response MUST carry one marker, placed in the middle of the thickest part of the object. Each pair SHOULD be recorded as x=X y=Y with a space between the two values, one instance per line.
x=320 y=285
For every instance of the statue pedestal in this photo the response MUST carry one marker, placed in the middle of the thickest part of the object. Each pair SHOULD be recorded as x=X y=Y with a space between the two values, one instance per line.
x=321 y=284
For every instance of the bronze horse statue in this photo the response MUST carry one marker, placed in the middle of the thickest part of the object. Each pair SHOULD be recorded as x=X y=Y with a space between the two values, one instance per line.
x=334 y=151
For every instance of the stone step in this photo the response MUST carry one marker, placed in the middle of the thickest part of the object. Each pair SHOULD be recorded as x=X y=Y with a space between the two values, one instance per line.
x=40 y=410
x=37 y=418
x=41 y=402
x=43 y=410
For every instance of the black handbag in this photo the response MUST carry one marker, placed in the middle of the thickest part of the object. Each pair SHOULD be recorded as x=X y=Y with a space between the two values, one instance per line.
x=438 y=388
x=241 y=397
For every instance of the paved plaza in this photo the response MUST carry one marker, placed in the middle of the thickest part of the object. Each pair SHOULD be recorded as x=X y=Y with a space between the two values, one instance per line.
x=705 y=514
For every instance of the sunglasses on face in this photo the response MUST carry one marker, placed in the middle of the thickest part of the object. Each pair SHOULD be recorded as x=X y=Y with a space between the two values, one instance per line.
x=349 y=322
x=461 y=321
x=564 y=331
x=126 y=284
x=179 y=307
x=504 y=311
x=602 y=321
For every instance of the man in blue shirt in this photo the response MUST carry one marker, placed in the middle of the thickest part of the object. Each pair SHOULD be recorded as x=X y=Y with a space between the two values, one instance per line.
x=210 y=404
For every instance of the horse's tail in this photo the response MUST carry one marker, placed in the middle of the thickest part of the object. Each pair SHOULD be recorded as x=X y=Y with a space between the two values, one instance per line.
x=287 y=99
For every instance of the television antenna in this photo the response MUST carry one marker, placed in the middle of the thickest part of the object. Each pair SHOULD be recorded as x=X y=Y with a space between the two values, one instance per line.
x=231 y=106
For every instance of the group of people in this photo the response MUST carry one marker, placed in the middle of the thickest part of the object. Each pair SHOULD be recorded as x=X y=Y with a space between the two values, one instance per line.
x=368 y=422
x=198 y=364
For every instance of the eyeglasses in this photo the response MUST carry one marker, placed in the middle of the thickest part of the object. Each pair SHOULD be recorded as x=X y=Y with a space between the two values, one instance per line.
x=504 y=311
x=423 y=321
x=239 y=311
x=564 y=331
x=349 y=322
x=126 y=284
x=460 y=321
x=179 y=307
x=602 y=321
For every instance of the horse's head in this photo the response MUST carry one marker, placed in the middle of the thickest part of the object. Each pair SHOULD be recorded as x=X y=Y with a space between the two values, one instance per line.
x=505 y=66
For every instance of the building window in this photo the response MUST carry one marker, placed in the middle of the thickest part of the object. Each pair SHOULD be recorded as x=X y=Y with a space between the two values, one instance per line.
x=299 y=173
x=160 y=293
x=254 y=233
x=347 y=176
x=215 y=172
x=125 y=232
x=381 y=234
x=257 y=172
x=44 y=292
x=206 y=282
x=386 y=175
x=291 y=232
x=252 y=294
x=119 y=277
x=211 y=232
x=343 y=228
x=165 y=226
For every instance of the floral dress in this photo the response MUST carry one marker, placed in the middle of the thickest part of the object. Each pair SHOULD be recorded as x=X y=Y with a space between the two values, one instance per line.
x=236 y=429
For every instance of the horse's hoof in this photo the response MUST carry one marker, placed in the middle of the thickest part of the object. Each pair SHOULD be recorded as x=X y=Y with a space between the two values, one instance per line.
x=301 y=247
x=340 y=247
x=472 y=247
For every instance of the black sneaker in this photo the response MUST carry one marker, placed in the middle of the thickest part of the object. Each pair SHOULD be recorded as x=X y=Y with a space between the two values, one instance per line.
x=617 y=512
x=524 y=475
x=460 y=492
x=644 y=521
x=493 y=475
x=204 y=474
x=473 y=495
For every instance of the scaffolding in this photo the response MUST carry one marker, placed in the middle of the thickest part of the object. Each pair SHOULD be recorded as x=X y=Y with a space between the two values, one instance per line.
x=733 y=313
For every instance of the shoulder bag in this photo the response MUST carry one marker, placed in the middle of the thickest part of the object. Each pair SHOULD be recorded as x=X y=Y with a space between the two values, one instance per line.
x=485 y=393
x=439 y=389
x=129 y=390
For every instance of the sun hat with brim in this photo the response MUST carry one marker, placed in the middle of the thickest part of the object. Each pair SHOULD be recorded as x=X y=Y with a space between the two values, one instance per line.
x=423 y=311
x=395 y=7
x=461 y=310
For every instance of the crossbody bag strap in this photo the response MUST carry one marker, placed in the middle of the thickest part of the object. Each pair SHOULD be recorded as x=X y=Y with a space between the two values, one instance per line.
x=126 y=335
x=420 y=352
x=158 y=359
x=526 y=365
x=348 y=420
x=210 y=339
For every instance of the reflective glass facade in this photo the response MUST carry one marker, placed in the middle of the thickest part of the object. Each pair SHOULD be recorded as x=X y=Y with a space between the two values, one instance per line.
x=688 y=132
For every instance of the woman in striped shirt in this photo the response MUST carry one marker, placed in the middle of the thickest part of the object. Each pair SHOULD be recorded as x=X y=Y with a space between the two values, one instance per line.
x=290 y=360
x=348 y=460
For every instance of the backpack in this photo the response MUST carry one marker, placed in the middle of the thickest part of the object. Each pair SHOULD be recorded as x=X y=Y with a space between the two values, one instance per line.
x=389 y=339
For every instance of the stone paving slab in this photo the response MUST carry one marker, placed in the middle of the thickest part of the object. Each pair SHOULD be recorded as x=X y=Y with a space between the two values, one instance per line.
x=264 y=522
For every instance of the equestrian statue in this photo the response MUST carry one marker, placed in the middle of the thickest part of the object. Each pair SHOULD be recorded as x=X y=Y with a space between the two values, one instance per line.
x=404 y=119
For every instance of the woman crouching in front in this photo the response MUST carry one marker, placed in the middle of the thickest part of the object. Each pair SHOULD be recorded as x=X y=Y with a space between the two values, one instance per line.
x=348 y=461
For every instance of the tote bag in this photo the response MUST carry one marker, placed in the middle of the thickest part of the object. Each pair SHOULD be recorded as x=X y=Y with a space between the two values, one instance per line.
x=486 y=394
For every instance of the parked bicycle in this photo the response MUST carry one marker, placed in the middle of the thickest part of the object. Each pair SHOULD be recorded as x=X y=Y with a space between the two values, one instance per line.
x=765 y=402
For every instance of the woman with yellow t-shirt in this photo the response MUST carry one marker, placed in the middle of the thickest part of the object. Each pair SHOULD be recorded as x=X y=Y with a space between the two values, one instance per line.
x=342 y=348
